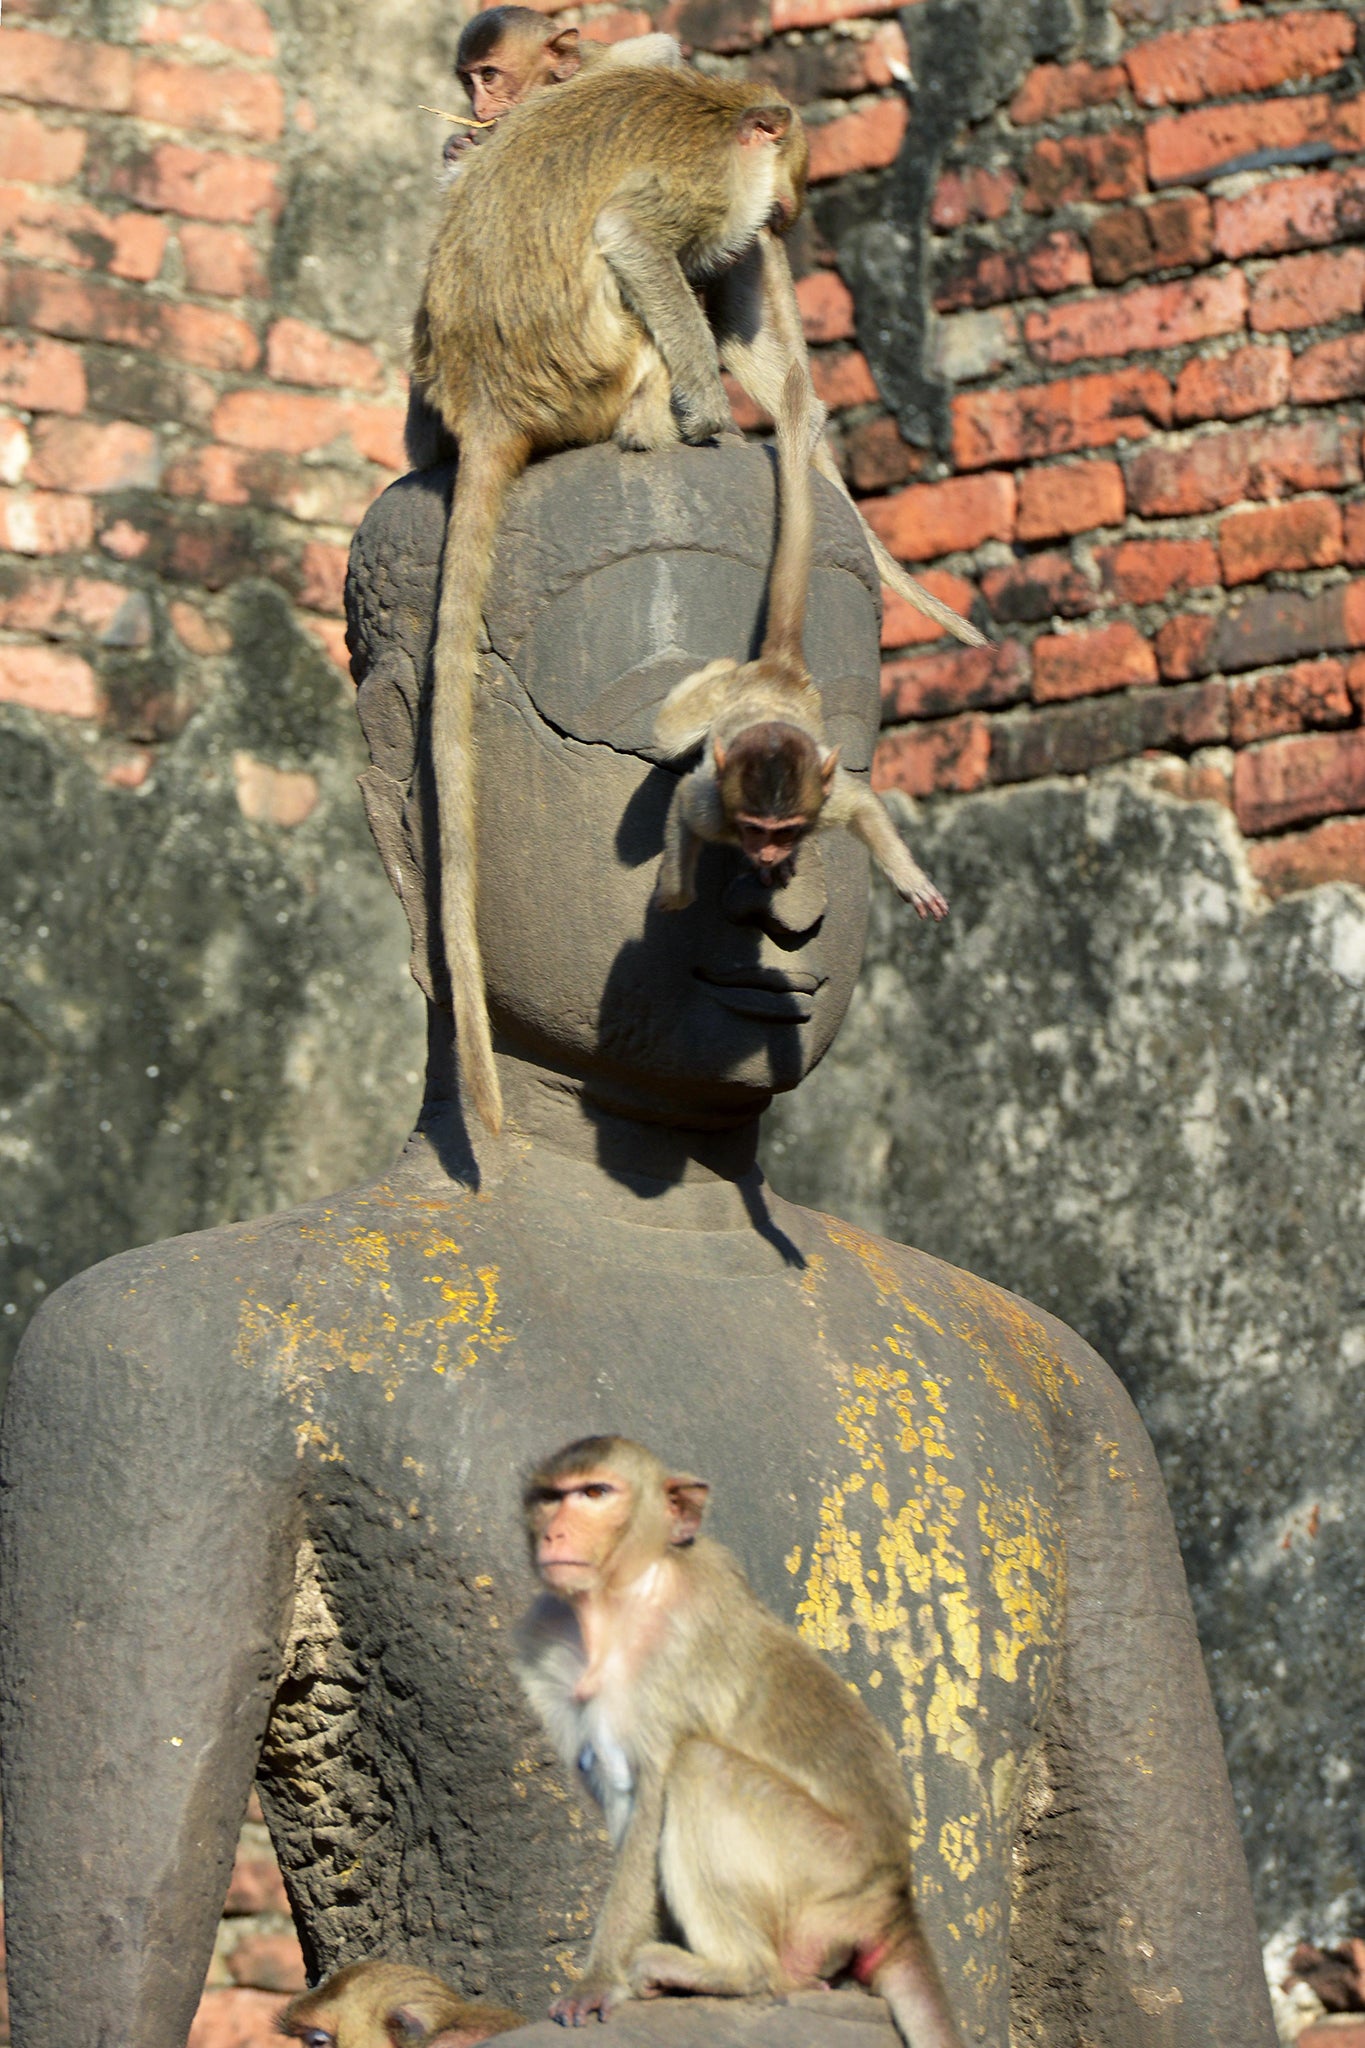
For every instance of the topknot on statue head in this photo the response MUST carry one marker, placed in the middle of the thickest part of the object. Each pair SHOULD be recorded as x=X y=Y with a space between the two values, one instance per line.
x=615 y=575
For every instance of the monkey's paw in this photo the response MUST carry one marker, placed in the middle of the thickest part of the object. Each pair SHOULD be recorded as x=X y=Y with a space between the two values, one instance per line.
x=704 y=419
x=591 y=1998
x=677 y=898
x=928 y=901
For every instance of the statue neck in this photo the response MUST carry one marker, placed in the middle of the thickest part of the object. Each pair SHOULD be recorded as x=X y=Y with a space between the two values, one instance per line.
x=635 y=1158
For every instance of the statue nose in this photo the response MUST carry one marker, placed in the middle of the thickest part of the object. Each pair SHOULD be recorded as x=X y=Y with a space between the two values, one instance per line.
x=792 y=913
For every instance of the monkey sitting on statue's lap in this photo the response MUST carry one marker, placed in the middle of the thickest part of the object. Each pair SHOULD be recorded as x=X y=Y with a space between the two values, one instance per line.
x=743 y=1782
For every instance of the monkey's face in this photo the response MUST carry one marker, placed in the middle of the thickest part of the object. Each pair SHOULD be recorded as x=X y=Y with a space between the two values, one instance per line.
x=576 y=1525
x=519 y=63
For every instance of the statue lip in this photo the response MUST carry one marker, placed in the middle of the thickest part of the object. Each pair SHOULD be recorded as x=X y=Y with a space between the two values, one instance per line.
x=773 y=994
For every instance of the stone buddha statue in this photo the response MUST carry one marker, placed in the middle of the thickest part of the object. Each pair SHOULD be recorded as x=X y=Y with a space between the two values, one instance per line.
x=261 y=1484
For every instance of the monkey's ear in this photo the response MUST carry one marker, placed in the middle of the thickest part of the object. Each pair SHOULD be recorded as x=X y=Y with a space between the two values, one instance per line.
x=564 y=50
x=718 y=755
x=829 y=762
x=404 y=2025
x=758 y=125
x=686 y=1506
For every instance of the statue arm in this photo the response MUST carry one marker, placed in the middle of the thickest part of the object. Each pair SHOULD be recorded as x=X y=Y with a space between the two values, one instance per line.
x=144 y=1519
x=1134 y=1851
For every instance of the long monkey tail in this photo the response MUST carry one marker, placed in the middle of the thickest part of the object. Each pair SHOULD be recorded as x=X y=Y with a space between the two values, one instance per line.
x=488 y=465
x=789 y=580
x=903 y=1972
x=893 y=576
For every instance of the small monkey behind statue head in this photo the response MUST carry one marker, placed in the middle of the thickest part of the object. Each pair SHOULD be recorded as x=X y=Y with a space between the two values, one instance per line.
x=744 y=1785
x=390 y=2005
x=767 y=778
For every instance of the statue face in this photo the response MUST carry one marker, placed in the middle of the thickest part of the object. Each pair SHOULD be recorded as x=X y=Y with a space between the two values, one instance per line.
x=711 y=1008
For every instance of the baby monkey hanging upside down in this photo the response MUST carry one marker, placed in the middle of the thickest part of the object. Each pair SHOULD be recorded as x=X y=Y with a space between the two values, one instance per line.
x=743 y=1783
x=767 y=778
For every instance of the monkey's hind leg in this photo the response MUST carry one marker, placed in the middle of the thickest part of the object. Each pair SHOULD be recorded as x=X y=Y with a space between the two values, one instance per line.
x=647 y=417
x=651 y=282
x=852 y=805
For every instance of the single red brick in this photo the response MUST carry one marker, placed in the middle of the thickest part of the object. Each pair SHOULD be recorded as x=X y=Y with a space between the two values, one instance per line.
x=974 y=193
x=221 y=262
x=376 y=431
x=130 y=245
x=1284 y=625
x=1052 y=419
x=237 y=2019
x=1072 y=739
x=1353 y=533
x=1235 y=385
x=78 y=608
x=332 y=634
x=1308 y=291
x=104 y=312
x=826 y=306
x=1331 y=852
x=290 y=423
x=1289 y=781
x=233 y=24
x=125 y=540
x=298 y=353
x=723 y=25
x=1333 y=369
x=85 y=455
x=1183 y=646
x=1156 y=234
x=1041 y=586
x=883 y=59
x=1085 y=664
x=41 y=375
x=1056 y=263
x=1072 y=497
x=1312 y=693
x=44 y=522
x=204 y=184
x=1201 y=473
x=48 y=679
x=1189 y=146
x=926 y=520
x=64 y=71
x=841 y=377
x=206 y=637
x=951 y=755
x=1149 y=571
x=1303 y=535
x=864 y=141
x=1151 y=316
x=617 y=26
x=1291 y=213
x=1199 y=780
x=247 y=104
x=323 y=576
x=789 y=14
x=1237 y=57
x=904 y=625
x=255 y=1885
x=29 y=149
x=878 y=459
x=1081 y=168
x=959 y=679
x=1054 y=89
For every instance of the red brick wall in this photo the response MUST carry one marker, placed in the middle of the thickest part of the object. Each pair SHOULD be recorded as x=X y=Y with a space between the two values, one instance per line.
x=162 y=433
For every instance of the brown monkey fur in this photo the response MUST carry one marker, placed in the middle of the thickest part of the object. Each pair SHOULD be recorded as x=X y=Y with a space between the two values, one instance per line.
x=559 y=310
x=390 y=2005
x=767 y=777
x=743 y=1782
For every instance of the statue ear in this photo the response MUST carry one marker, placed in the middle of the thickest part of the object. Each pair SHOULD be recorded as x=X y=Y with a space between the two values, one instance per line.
x=686 y=1506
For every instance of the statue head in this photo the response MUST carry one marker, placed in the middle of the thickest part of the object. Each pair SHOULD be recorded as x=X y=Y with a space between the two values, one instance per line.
x=616 y=575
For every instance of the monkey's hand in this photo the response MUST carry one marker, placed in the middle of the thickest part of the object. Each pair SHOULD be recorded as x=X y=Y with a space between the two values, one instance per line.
x=591 y=1998
x=927 y=900
x=703 y=415
x=670 y=894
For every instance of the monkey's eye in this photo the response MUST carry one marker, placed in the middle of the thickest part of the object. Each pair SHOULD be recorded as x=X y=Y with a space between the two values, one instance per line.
x=317 y=2037
x=597 y=1491
x=490 y=74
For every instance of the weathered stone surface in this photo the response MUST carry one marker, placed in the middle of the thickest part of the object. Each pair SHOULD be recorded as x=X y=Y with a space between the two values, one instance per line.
x=201 y=1017
x=1117 y=1082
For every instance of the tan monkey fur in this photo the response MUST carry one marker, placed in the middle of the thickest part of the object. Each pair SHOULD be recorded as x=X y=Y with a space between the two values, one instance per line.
x=390 y=2005
x=745 y=1785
